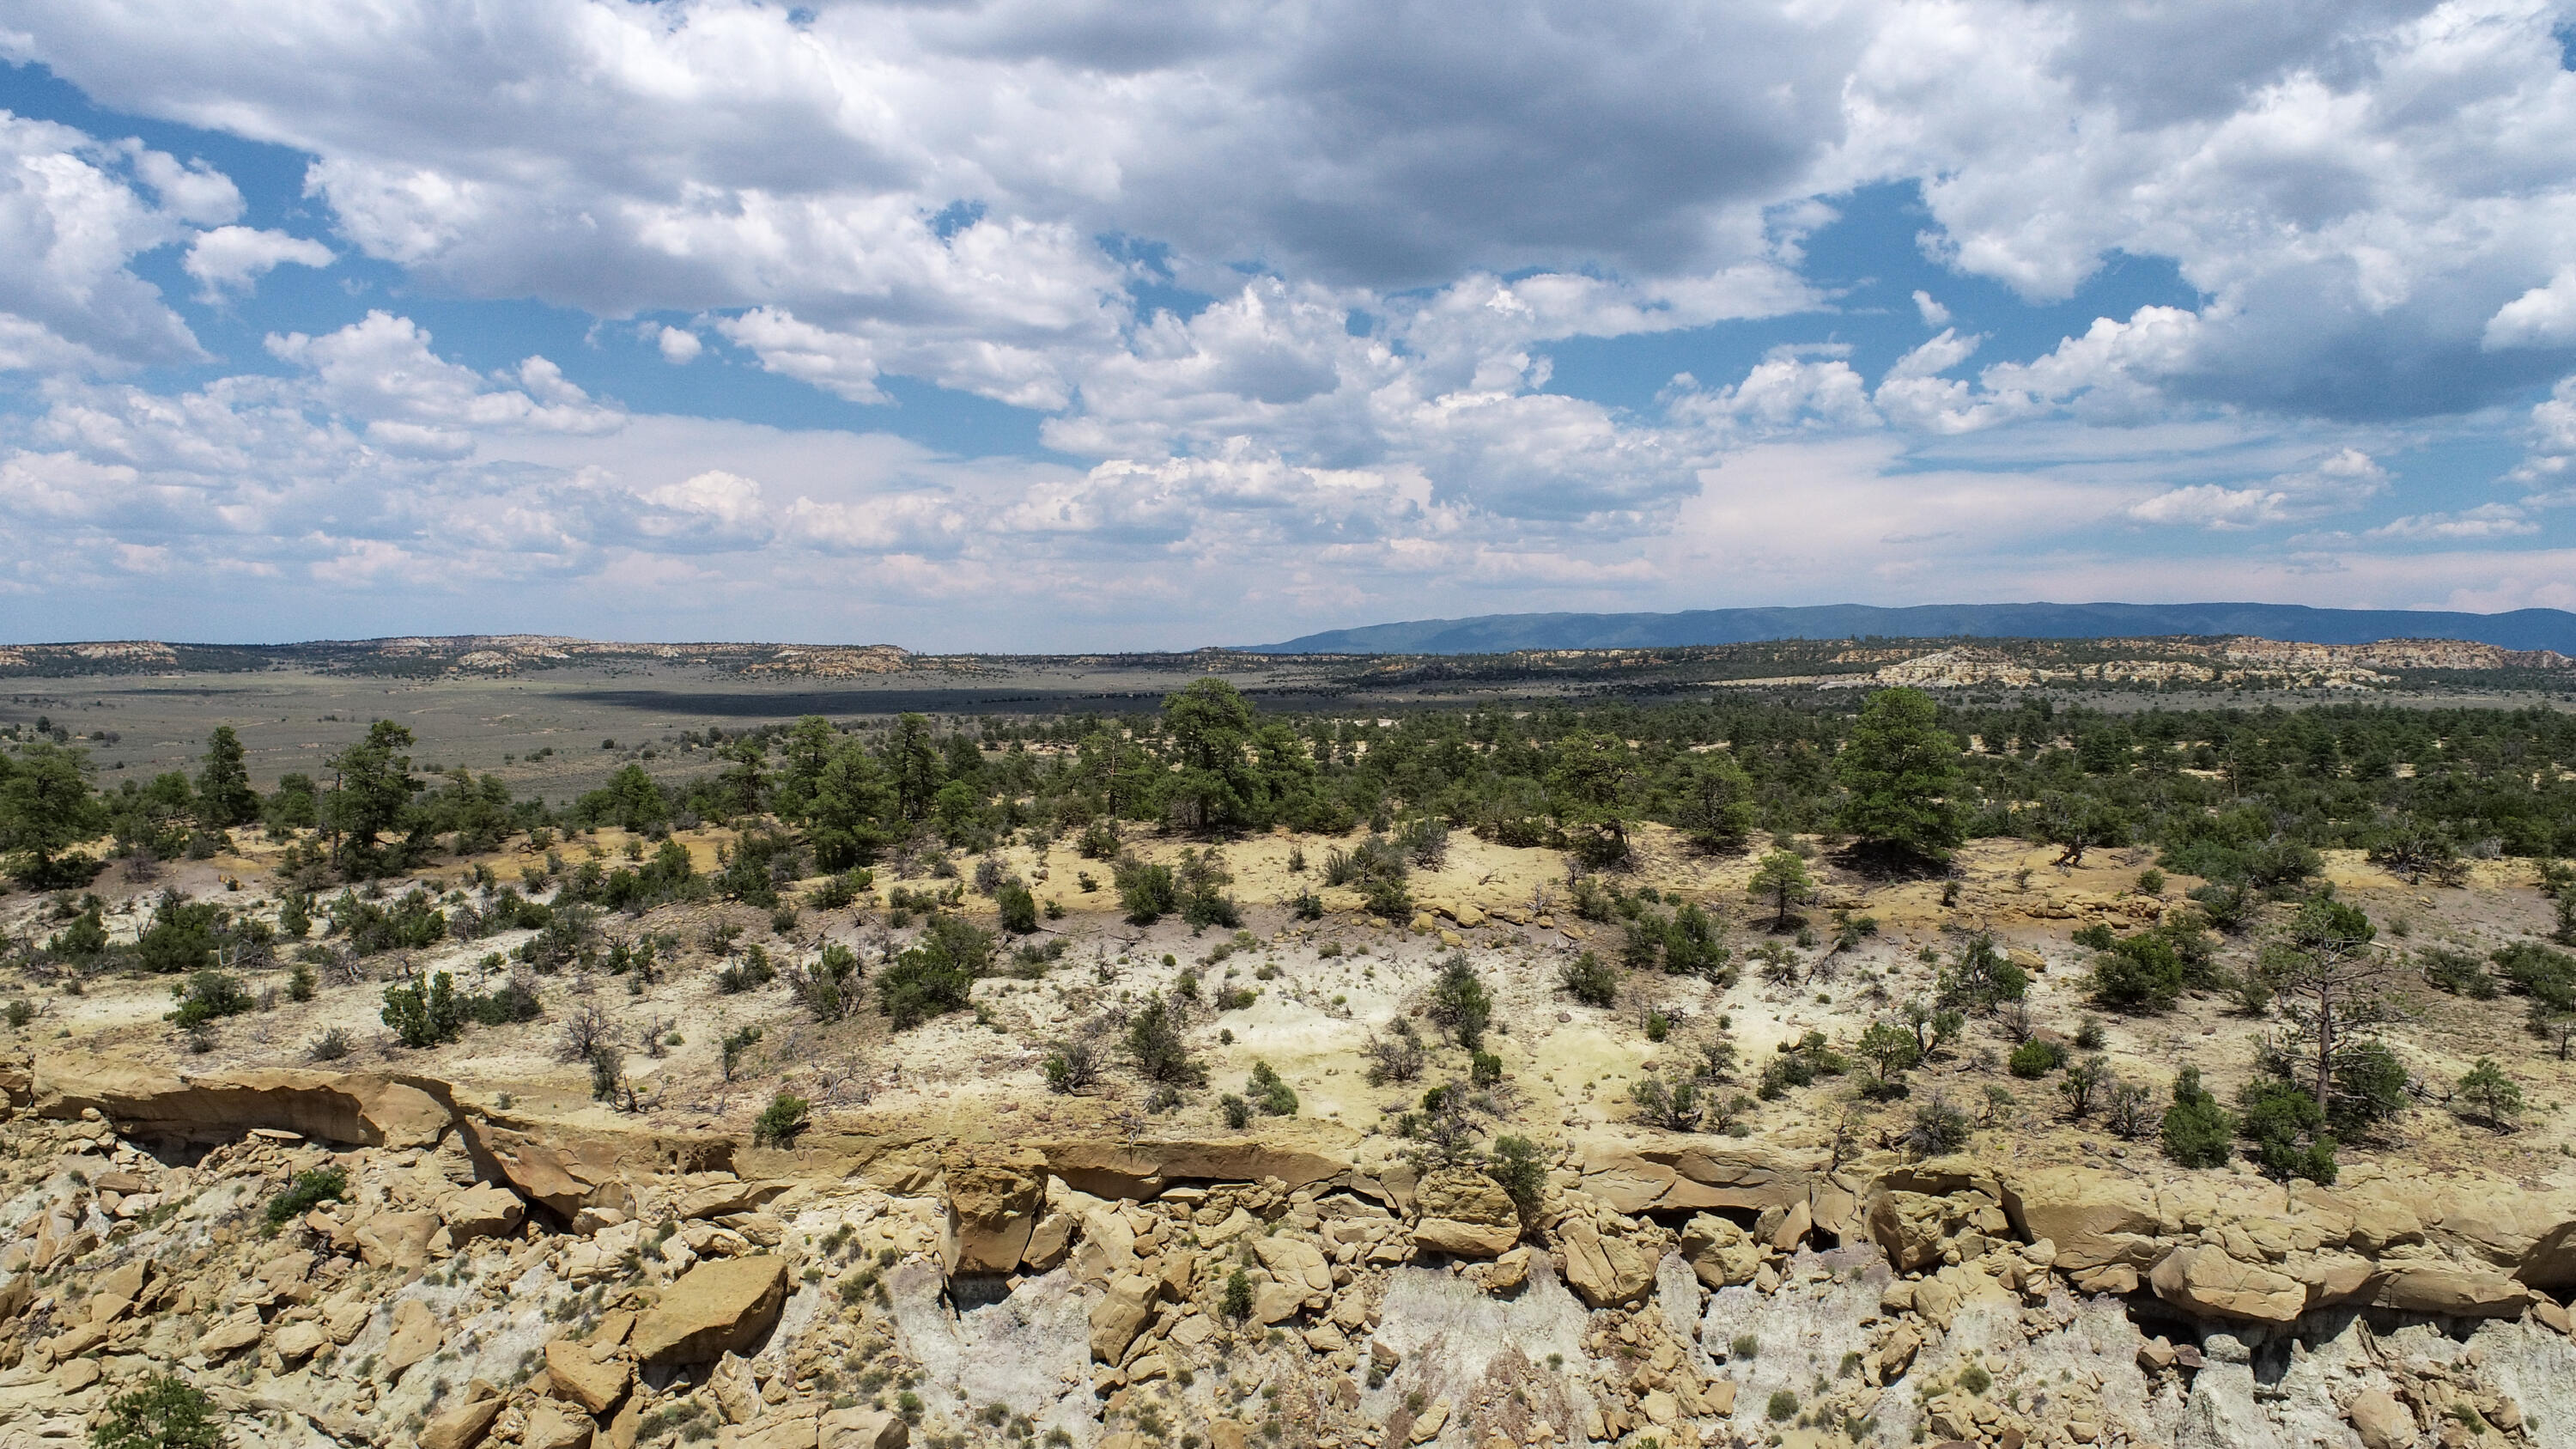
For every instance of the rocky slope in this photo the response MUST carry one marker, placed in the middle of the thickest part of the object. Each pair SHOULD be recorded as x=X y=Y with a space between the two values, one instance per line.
x=477 y=1279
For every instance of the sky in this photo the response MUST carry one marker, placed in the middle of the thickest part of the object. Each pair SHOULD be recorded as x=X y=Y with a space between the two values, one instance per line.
x=1042 y=325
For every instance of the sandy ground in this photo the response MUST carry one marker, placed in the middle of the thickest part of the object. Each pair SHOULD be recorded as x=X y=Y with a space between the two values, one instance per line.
x=1326 y=986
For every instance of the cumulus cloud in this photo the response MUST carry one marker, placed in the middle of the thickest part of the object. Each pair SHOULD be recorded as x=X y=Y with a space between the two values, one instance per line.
x=2340 y=482
x=74 y=213
x=234 y=258
x=1296 y=280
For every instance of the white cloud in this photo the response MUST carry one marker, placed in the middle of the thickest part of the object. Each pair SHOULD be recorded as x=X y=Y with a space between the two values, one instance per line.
x=1933 y=313
x=679 y=347
x=2487 y=520
x=2541 y=317
x=234 y=258
x=72 y=218
x=2343 y=480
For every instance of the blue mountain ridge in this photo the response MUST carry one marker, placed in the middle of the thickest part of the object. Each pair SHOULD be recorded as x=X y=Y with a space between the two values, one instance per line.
x=1502 y=633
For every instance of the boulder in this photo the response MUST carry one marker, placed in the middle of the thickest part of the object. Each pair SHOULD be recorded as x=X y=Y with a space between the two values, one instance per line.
x=230 y=1336
x=1719 y=1251
x=363 y=1109
x=861 y=1429
x=575 y=1373
x=1609 y=1271
x=462 y=1425
x=721 y=1306
x=1050 y=1242
x=481 y=1211
x=992 y=1208
x=415 y=1337
x=1121 y=1313
x=1914 y=1229
x=1735 y=1176
x=2094 y=1217
x=297 y=1342
x=1466 y=1213
x=2453 y=1291
x=1293 y=1261
x=2381 y=1421
x=396 y=1240
x=563 y=1176
x=2207 y=1282
x=554 y=1424
x=723 y=1199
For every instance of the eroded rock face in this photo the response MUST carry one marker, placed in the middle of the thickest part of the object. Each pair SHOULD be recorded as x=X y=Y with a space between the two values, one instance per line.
x=1608 y=1271
x=993 y=1207
x=2207 y=1282
x=1464 y=1213
x=362 y=1109
x=718 y=1307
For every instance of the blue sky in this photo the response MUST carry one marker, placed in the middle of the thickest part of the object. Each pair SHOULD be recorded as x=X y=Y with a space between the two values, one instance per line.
x=1053 y=326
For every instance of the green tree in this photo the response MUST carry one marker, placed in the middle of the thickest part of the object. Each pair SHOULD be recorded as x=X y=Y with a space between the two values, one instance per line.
x=746 y=779
x=1591 y=787
x=1218 y=786
x=633 y=800
x=852 y=805
x=224 y=795
x=1782 y=880
x=2490 y=1093
x=424 y=1017
x=1520 y=1169
x=1901 y=770
x=1714 y=804
x=2323 y=968
x=1889 y=1049
x=912 y=760
x=374 y=794
x=46 y=808
x=163 y=1412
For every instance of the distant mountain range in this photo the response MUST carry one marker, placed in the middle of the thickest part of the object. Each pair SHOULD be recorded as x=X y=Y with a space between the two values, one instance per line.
x=1504 y=633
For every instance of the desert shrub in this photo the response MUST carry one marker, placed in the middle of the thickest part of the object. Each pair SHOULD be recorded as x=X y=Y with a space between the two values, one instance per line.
x=1156 y=1043
x=1396 y=1056
x=1275 y=1097
x=207 y=996
x=2287 y=1130
x=2455 y=971
x=1072 y=1065
x=310 y=1189
x=2035 y=1058
x=1147 y=891
x=1460 y=1003
x=780 y=1121
x=1590 y=980
x=1938 y=1127
x=936 y=975
x=330 y=1046
x=424 y=1016
x=2140 y=973
x=1019 y=908
x=2196 y=1128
